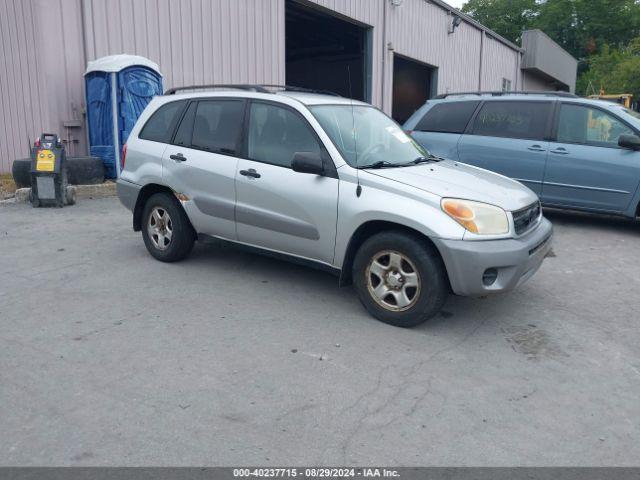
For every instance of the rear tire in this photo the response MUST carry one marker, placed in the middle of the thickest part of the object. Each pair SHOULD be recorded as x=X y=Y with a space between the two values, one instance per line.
x=166 y=230
x=400 y=279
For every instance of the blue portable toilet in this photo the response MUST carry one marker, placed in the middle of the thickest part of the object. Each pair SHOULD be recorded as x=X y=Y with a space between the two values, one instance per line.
x=118 y=88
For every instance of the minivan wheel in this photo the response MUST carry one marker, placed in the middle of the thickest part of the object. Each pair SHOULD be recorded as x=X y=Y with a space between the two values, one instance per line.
x=400 y=279
x=166 y=230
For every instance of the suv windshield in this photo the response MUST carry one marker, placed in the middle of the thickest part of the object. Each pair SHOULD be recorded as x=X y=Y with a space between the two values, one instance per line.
x=366 y=137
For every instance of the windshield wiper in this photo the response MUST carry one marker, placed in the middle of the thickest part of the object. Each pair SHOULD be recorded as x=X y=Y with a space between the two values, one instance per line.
x=380 y=164
x=384 y=164
x=428 y=159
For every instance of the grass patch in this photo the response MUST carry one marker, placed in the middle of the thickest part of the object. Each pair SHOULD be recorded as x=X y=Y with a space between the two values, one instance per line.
x=7 y=185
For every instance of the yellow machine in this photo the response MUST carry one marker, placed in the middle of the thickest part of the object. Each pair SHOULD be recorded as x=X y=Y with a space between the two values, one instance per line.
x=49 y=173
x=625 y=99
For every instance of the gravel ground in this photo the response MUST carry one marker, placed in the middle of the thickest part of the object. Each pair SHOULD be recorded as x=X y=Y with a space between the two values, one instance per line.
x=108 y=357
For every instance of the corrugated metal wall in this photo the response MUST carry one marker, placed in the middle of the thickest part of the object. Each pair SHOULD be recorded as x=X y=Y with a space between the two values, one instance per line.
x=499 y=62
x=419 y=30
x=193 y=41
x=19 y=113
x=41 y=65
x=208 y=41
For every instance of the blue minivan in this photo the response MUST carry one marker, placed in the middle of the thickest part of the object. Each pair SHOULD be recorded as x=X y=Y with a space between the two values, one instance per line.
x=574 y=153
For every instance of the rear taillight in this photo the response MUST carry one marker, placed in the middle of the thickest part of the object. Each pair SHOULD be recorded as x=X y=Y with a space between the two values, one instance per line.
x=123 y=157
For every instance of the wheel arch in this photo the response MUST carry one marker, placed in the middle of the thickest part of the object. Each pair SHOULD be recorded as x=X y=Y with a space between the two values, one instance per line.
x=145 y=193
x=373 y=227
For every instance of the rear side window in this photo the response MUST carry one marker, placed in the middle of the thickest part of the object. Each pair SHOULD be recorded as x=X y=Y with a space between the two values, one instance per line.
x=217 y=125
x=450 y=117
x=162 y=123
x=526 y=120
x=183 y=135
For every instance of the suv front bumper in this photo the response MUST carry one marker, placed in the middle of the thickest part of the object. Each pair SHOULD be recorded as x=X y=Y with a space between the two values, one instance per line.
x=514 y=259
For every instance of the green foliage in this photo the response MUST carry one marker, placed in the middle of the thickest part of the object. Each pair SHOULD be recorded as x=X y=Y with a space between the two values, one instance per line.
x=603 y=34
x=584 y=27
x=507 y=17
x=614 y=70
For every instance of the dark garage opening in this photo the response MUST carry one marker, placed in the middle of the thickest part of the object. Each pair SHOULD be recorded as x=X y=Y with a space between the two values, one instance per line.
x=321 y=49
x=413 y=83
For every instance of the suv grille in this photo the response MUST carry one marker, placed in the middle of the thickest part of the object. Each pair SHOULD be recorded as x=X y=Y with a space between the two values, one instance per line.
x=526 y=218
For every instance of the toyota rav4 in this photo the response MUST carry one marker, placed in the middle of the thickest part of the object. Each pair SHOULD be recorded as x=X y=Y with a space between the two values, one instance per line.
x=333 y=182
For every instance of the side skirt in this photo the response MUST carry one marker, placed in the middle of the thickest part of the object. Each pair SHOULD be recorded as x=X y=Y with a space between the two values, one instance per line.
x=305 y=262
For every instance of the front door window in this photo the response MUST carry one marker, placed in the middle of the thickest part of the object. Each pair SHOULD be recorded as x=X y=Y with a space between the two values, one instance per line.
x=589 y=126
x=276 y=134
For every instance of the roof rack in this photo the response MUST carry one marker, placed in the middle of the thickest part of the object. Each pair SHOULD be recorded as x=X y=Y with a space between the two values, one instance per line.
x=251 y=88
x=293 y=88
x=500 y=93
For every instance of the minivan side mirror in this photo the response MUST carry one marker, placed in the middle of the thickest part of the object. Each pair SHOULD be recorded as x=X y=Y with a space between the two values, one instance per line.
x=632 y=142
x=307 y=162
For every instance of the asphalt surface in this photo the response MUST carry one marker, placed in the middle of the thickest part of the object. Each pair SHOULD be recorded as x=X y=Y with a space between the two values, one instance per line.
x=108 y=357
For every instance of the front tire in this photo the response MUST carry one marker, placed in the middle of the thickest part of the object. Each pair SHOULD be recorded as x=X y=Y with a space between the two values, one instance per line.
x=166 y=230
x=400 y=279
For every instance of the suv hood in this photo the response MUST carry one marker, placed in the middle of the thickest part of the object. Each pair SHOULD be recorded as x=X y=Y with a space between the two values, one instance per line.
x=459 y=180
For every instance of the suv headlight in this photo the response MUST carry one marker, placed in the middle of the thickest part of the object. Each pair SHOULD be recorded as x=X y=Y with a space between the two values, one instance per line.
x=479 y=218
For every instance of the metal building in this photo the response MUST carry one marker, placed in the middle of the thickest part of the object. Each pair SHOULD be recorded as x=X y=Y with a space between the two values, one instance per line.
x=392 y=53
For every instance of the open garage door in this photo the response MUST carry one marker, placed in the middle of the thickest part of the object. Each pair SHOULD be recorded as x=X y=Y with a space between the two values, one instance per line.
x=413 y=84
x=321 y=50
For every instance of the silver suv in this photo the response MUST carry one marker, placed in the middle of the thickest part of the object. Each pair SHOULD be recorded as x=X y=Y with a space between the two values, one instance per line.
x=332 y=182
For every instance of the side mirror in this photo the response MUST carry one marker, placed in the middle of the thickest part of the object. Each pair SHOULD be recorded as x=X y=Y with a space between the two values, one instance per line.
x=307 y=162
x=632 y=142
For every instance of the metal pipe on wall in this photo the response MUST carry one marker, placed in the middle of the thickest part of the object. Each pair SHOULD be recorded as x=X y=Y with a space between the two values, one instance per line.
x=384 y=54
x=481 y=60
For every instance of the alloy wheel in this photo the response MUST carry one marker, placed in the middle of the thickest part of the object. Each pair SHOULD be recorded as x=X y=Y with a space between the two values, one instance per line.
x=393 y=281
x=160 y=228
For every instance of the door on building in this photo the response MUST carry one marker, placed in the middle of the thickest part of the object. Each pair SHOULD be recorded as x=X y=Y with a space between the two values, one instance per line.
x=413 y=85
x=324 y=52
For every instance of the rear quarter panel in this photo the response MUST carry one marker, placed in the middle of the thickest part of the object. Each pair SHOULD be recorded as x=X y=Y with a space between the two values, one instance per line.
x=144 y=158
x=144 y=161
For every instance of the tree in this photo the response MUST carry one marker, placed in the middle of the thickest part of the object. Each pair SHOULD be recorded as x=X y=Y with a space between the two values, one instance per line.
x=508 y=18
x=582 y=27
x=604 y=35
x=613 y=70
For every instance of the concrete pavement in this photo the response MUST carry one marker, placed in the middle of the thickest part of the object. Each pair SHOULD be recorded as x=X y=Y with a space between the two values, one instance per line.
x=108 y=357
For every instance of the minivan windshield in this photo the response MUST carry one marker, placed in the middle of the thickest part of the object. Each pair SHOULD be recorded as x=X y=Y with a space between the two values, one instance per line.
x=631 y=113
x=366 y=137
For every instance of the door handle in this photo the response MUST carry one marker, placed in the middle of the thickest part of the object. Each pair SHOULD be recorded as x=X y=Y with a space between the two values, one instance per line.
x=178 y=157
x=250 y=173
x=560 y=151
x=536 y=148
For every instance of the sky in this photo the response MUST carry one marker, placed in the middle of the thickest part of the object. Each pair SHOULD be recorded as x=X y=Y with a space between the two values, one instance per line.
x=455 y=3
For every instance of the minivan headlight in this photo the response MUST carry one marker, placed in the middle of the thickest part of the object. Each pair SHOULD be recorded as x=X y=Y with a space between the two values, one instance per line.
x=477 y=217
